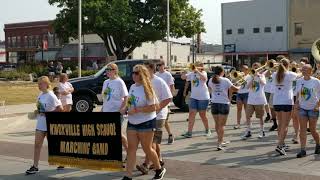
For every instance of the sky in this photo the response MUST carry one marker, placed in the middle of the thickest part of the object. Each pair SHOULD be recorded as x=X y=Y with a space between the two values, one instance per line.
x=13 y=11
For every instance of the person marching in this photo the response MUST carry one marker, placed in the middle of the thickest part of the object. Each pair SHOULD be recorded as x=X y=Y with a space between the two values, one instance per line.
x=295 y=114
x=242 y=96
x=283 y=101
x=167 y=77
x=115 y=96
x=142 y=105
x=199 y=99
x=256 y=101
x=308 y=102
x=66 y=90
x=221 y=88
x=268 y=93
x=47 y=102
x=164 y=96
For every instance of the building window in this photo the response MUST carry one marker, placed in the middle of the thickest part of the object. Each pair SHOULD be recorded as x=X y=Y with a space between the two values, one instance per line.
x=256 y=30
x=241 y=31
x=145 y=56
x=14 y=41
x=188 y=58
x=25 y=41
x=267 y=29
x=229 y=31
x=9 y=42
x=297 y=29
x=279 y=29
x=175 y=58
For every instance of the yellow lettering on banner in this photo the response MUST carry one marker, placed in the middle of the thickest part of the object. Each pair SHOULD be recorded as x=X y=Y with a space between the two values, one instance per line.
x=62 y=147
x=88 y=130
x=106 y=129
x=100 y=149
x=75 y=147
x=65 y=129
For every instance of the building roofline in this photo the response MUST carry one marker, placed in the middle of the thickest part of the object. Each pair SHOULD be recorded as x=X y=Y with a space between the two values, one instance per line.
x=27 y=24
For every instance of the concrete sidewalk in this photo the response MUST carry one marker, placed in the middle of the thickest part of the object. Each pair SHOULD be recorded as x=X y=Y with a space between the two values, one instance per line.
x=15 y=110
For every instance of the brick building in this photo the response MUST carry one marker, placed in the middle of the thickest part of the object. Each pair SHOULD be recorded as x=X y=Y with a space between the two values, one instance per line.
x=25 y=41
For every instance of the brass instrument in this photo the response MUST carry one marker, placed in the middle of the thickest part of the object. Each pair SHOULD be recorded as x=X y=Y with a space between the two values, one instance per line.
x=269 y=65
x=237 y=76
x=193 y=66
x=315 y=50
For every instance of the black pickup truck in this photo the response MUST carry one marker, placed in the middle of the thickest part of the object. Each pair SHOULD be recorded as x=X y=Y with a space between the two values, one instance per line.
x=87 y=90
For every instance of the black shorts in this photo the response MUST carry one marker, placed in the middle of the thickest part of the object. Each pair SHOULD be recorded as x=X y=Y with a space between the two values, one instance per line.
x=220 y=109
x=283 y=108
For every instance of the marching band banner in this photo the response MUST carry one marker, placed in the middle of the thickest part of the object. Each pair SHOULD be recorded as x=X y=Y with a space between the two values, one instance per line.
x=85 y=140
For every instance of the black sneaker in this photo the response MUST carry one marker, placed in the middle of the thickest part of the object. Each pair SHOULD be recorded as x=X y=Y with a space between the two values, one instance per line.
x=143 y=168
x=60 y=168
x=126 y=178
x=32 y=170
x=308 y=130
x=267 y=119
x=281 y=151
x=273 y=127
x=246 y=135
x=170 y=139
x=160 y=173
x=302 y=154
x=317 y=150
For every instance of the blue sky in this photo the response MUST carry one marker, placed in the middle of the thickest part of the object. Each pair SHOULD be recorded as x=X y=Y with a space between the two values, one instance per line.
x=12 y=11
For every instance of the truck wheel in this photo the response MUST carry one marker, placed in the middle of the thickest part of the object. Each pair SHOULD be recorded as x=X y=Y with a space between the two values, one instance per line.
x=83 y=104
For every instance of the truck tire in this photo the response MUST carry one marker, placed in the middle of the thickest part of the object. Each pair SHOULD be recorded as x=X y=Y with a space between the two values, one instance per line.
x=82 y=104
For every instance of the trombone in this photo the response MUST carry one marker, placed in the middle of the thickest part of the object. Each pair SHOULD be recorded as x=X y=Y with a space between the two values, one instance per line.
x=270 y=65
x=237 y=76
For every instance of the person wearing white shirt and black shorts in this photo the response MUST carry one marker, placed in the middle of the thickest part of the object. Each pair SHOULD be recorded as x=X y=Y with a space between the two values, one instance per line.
x=283 y=101
x=142 y=106
x=66 y=90
x=307 y=104
x=167 y=77
x=164 y=96
x=47 y=102
x=256 y=102
x=199 y=99
x=115 y=96
x=221 y=88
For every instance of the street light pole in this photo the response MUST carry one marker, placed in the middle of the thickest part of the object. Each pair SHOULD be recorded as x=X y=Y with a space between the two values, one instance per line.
x=168 y=35
x=79 y=37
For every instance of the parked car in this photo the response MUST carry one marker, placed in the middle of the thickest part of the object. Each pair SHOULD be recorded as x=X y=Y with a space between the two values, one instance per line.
x=9 y=67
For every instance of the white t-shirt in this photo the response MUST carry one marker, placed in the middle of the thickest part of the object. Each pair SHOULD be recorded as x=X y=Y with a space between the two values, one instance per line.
x=309 y=93
x=163 y=92
x=295 y=85
x=137 y=98
x=167 y=77
x=269 y=85
x=283 y=92
x=113 y=92
x=65 y=99
x=199 y=88
x=219 y=92
x=256 y=91
x=244 y=87
x=47 y=102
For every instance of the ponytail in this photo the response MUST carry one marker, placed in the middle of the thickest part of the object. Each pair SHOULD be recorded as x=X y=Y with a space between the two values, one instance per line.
x=218 y=70
x=284 y=63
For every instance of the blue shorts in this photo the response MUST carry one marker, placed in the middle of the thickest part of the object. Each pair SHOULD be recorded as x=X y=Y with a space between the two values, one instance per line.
x=283 y=108
x=243 y=97
x=308 y=113
x=199 y=105
x=220 y=109
x=149 y=126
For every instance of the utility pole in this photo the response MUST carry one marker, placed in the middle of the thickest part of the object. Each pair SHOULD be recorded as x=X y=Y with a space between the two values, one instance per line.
x=168 y=35
x=79 y=37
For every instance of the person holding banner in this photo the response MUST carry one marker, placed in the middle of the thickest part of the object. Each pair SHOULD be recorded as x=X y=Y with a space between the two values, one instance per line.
x=47 y=102
x=142 y=105
x=115 y=95
x=66 y=90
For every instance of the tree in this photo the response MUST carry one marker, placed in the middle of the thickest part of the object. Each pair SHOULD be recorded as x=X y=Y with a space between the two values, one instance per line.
x=124 y=25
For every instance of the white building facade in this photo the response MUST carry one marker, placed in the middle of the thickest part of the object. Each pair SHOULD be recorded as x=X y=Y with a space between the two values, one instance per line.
x=254 y=30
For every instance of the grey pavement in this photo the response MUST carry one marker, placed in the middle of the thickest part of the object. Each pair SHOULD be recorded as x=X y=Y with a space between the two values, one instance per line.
x=194 y=158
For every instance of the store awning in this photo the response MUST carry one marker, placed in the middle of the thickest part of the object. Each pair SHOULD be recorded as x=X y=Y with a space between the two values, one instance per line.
x=255 y=53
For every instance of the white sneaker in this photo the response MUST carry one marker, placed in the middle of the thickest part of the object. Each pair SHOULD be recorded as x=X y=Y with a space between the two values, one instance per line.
x=225 y=143
x=262 y=135
x=220 y=148
x=208 y=133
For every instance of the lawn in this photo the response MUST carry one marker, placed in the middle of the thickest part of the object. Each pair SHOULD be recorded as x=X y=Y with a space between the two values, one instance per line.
x=18 y=92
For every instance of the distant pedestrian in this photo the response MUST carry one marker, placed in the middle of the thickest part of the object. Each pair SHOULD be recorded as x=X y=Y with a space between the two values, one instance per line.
x=47 y=102
x=68 y=71
x=51 y=71
x=66 y=90
x=59 y=68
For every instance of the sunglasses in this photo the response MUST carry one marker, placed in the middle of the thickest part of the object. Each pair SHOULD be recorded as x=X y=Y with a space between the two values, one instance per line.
x=109 y=69
x=135 y=73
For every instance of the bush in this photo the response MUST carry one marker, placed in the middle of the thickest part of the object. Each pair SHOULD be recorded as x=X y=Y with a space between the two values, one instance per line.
x=35 y=69
x=14 y=75
x=84 y=73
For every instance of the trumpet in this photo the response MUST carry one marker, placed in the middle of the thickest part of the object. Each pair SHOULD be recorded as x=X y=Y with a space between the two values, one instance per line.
x=294 y=67
x=193 y=66
x=271 y=65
